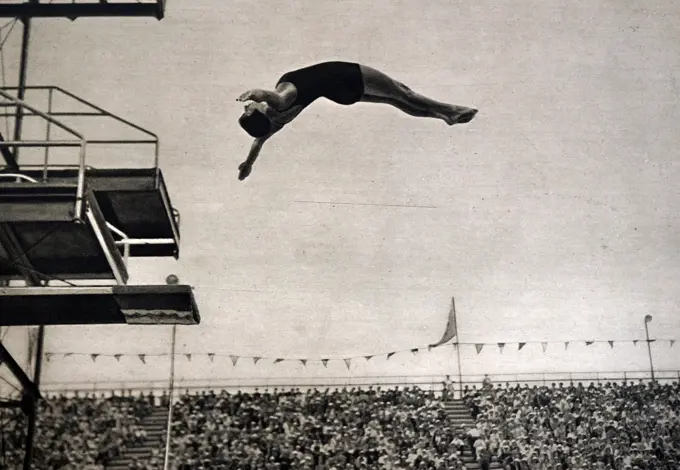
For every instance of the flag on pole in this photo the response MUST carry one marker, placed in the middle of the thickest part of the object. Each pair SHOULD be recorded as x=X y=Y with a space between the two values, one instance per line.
x=451 y=330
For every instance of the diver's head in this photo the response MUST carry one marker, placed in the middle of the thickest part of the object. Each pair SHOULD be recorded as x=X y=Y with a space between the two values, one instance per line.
x=254 y=120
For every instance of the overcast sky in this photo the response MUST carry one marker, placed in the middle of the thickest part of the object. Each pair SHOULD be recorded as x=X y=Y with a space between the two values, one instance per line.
x=553 y=216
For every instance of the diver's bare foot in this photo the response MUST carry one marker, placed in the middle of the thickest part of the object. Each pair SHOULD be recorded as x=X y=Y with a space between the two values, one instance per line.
x=460 y=115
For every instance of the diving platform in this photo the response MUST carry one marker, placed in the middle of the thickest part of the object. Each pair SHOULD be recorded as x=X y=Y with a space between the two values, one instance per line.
x=71 y=221
x=78 y=8
x=42 y=232
x=120 y=194
x=133 y=305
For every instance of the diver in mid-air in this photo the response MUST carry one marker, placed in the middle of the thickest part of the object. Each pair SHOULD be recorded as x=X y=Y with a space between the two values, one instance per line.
x=341 y=82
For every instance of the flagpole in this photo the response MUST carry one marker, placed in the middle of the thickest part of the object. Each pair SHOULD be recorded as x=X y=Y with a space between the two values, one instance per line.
x=171 y=279
x=457 y=345
x=171 y=393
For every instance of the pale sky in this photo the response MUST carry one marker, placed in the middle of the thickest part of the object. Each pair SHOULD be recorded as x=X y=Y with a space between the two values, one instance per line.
x=553 y=216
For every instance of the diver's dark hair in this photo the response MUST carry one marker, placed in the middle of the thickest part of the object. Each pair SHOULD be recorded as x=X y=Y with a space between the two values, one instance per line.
x=256 y=124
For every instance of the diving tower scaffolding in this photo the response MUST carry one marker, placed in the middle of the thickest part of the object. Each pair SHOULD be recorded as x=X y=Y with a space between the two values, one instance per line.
x=66 y=223
x=63 y=224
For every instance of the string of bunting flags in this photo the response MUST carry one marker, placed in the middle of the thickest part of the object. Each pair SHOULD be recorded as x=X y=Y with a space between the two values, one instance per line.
x=450 y=332
x=348 y=360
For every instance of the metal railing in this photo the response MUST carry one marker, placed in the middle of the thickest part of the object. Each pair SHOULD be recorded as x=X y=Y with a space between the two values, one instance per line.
x=11 y=101
x=428 y=382
x=95 y=111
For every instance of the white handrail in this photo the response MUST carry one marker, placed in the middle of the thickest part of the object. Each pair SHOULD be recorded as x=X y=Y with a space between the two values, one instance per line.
x=18 y=176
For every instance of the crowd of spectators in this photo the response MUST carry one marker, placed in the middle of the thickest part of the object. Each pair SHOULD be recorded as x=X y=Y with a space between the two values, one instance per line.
x=604 y=426
x=320 y=430
x=79 y=432
x=574 y=427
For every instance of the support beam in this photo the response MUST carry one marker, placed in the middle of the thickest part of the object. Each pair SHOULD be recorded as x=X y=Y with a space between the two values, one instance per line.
x=76 y=10
x=11 y=245
x=31 y=402
x=21 y=92
x=7 y=359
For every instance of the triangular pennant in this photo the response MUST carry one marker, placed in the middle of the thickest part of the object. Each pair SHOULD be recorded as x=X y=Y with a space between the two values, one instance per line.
x=304 y=362
x=672 y=342
x=521 y=345
x=276 y=361
x=455 y=346
x=324 y=362
x=414 y=350
x=635 y=342
x=347 y=362
x=544 y=345
x=588 y=343
x=211 y=356
x=234 y=359
x=479 y=347
x=48 y=356
x=188 y=356
x=68 y=354
x=652 y=340
x=611 y=344
x=429 y=348
x=390 y=355
x=368 y=358
x=500 y=347
x=94 y=357
x=566 y=345
x=142 y=357
x=256 y=359
x=117 y=356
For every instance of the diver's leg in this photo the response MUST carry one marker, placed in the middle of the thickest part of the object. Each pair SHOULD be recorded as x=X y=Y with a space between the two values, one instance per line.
x=380 y=88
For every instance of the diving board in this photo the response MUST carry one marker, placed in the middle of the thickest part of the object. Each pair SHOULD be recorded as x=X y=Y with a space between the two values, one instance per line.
x=78 y=8
x=133 y=305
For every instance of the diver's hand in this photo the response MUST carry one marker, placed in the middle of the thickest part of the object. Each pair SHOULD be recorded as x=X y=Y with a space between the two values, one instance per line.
x=244 y=170
x=247 y=96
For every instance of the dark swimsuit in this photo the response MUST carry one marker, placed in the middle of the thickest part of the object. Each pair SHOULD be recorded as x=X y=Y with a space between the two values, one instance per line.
x=340 y=82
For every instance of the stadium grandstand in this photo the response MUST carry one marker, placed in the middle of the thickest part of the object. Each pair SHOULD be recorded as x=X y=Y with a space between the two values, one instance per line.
x=607 y=423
